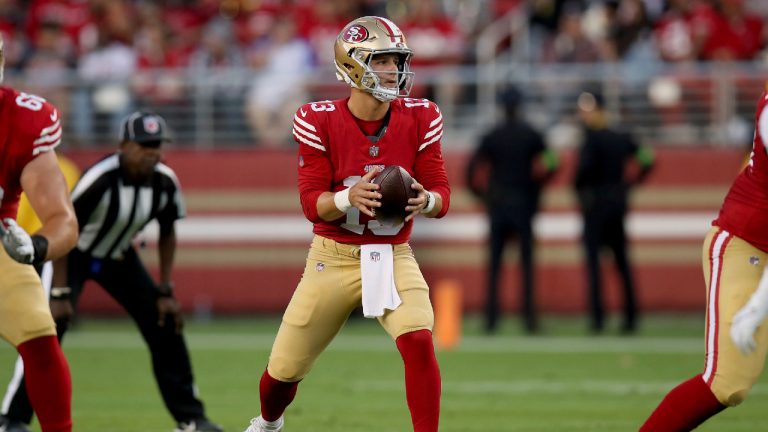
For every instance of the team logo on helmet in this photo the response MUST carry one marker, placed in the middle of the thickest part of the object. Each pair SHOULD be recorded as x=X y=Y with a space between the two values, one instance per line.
x=151 y=125
x=355 y=34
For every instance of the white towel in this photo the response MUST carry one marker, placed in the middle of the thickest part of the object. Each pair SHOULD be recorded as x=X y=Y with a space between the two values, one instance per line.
x=377 y=272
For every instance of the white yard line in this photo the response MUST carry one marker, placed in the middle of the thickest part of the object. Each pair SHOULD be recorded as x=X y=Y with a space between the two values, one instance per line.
x=460 y=227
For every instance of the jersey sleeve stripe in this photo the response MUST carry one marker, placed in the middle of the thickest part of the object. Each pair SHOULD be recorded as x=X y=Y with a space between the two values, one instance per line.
x=436 y=121
x=50 y=128
x=312 y=136
x=48 y=137
x=303 y=123
x=434 y=131
x=46 y=148
x=308 y=142
x=436 y=138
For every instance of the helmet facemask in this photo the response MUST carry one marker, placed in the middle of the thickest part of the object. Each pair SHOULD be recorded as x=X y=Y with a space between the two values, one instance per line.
x=371 y=80
x=359 y=43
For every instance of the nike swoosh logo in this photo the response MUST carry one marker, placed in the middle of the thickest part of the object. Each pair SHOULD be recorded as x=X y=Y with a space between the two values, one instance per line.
x=54 y=115
x=303 y=113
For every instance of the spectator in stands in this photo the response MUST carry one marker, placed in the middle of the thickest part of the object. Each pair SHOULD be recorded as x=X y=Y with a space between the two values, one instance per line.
x=629 y=31
x=11 y=21
x=673 y=33
x=317 y=24
x=602 y=181
x=282 y=63
x=185 y=23
x=570 y=43
x=74 y=16
x=217 y=67
x=440 y=46
x=48 y=65
x=518 y=164
x=159 y=82
x=734 y=33
x=105 y=73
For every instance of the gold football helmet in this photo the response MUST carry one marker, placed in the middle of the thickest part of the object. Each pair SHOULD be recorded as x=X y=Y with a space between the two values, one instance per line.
x=356 y=45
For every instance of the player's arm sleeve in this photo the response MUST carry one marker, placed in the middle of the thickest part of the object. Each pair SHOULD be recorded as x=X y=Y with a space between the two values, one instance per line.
x=762 y=126
x=315 y=171
x=49 y=125
x=175 y=207
x=429 y=166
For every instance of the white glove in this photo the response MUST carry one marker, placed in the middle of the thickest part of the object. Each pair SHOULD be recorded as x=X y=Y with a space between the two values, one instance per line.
x=17 y=242
x=745 y=323
x=748 y=318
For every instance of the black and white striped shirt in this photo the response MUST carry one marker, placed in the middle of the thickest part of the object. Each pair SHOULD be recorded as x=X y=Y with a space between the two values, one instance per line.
x=111 y=209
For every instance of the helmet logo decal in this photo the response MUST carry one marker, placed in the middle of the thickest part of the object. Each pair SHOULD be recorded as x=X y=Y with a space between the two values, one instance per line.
x=355 y=34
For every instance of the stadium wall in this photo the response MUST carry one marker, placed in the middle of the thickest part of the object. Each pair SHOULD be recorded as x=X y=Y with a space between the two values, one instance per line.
x=243 y=245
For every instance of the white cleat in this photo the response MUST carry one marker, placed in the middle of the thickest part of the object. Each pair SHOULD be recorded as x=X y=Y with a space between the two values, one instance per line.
x=260 y=425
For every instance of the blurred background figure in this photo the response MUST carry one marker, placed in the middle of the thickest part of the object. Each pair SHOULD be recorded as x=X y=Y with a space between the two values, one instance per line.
x=104 y=71
x=215 y=63
x=517 y=164
x=609 y=163
x=440 y=46
x=282 y=62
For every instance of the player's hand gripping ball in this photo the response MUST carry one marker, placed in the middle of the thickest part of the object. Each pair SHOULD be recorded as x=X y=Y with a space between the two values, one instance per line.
x=395 y=188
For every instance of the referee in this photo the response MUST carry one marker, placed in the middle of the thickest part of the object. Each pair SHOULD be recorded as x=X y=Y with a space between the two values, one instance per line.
x=114 y=199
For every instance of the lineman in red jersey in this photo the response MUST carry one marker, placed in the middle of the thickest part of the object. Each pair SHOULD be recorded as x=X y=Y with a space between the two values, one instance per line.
x=353 y=258
x=734 y=259
x=29 y=131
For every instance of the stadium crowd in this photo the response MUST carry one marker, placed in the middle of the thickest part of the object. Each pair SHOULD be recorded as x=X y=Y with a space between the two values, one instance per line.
x=100 y=59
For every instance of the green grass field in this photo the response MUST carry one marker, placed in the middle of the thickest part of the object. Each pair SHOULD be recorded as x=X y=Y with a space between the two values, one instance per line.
x=563 y=380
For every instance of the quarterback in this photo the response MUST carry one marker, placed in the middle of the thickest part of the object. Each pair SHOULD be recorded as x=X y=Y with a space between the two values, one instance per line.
x=354 y=259
x=735 y=255
x=29 y=131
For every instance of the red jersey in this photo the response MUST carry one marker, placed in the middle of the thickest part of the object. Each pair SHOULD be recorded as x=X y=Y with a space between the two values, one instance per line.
x=334 y=153
x=745 y=210
x=29 y=126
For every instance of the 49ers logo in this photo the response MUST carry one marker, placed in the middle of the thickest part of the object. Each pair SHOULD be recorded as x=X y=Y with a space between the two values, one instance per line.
x=355 y=34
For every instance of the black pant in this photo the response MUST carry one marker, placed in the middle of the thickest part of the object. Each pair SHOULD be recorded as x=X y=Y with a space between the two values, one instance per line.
x=606 y=228
x=128 y=282
x=506 y=224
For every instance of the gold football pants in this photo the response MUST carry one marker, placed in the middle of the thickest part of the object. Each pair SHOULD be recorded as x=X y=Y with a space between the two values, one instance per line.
x=732 y=270
x=328 y=292
x=24 y=310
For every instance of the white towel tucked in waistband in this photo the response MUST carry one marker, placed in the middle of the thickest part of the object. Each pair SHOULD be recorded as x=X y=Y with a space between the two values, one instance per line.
x=377 y=271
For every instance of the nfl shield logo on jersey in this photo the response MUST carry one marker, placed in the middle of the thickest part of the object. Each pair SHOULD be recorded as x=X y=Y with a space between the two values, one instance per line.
x=373 y=151
x=375 y=256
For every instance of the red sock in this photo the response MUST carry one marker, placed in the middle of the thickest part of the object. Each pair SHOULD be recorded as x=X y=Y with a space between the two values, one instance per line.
x=275 y=396
x=49 y=384
x=685 y=407
x=422 y=379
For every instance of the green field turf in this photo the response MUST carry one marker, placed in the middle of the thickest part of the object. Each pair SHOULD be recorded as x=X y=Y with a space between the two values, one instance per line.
x=563 y=380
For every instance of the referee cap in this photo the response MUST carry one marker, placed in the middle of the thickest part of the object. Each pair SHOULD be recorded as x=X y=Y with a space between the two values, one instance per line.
x=145 y=128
